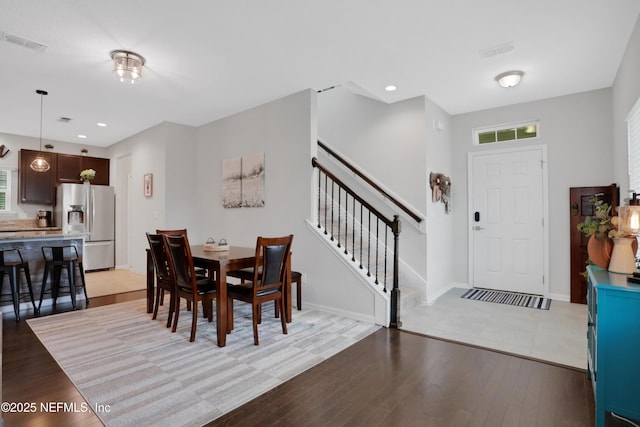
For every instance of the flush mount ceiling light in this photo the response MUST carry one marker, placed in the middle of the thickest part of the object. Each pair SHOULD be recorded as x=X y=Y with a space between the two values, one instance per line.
x=40 y=164
x=390 y=88
x=127 y=66
x=509 y=78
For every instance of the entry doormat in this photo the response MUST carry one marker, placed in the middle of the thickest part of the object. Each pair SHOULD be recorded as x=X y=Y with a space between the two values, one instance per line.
x=510 y=298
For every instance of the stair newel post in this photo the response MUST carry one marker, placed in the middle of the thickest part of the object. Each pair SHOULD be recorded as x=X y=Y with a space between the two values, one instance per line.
x=395 y=292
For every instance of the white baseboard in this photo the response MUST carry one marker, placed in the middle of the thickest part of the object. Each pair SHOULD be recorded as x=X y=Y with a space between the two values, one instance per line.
x=349 y=314
x=432 y=300
x=559 y=297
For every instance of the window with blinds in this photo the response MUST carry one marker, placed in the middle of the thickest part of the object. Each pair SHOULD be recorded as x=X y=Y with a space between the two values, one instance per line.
x=5 y=190
x=633 y=135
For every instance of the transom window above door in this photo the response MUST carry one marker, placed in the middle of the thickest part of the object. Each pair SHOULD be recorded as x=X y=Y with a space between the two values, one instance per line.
x=504 y=133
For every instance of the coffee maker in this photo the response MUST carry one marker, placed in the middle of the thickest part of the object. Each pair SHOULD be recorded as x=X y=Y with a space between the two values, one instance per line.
x=44 y=218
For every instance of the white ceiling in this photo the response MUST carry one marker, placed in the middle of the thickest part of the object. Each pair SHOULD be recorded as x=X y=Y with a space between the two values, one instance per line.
x=207 y=59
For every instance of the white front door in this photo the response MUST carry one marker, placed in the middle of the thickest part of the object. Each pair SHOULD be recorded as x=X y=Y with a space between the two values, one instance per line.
x=507 y=220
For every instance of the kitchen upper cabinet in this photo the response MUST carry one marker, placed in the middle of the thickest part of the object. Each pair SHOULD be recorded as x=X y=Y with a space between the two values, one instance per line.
x=70 y=166
x=40 y=187
x=37 y=187
x=101 y=166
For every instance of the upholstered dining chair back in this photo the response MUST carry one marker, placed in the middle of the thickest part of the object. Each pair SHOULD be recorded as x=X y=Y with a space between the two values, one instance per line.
x=180 y=261
x=159 y=256
x=271 y=259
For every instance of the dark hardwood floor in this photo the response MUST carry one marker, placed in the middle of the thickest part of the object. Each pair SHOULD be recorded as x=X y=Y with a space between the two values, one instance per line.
x=391 y=378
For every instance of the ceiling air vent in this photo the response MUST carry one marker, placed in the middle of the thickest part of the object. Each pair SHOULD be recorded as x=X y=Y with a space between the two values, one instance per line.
x=21 y=41
x=496 y=50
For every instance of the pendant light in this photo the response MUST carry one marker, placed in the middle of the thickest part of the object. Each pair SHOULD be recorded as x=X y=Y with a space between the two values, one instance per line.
x=40 y=164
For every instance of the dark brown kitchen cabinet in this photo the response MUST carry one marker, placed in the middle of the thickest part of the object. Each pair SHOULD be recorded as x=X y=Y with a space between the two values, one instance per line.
x=101 y=166
x=70 y=166
x=37 y=187
x=40 y=187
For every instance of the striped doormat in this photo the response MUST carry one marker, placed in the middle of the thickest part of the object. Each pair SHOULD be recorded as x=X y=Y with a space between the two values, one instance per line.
x=510 y=298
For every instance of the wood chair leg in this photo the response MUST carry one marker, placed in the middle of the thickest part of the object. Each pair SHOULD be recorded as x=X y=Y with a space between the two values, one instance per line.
x=176 y=314
x=283 y=319
x=172 y=307
x=256 y=311
x=159 y=298
x=194 y=320
x=229 y=315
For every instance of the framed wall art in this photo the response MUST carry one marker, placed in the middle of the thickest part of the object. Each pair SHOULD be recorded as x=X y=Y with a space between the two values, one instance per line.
x=243 y=181
x=148 y=185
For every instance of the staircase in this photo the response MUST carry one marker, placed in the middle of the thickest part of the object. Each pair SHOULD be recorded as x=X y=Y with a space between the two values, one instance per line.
x=363 y=237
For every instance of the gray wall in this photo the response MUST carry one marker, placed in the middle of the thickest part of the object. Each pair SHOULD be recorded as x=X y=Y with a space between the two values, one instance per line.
x=398 y=145
x=577 y=131
x=626 y=91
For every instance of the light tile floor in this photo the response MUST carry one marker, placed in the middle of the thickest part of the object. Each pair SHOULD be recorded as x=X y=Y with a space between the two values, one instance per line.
x=557 y=335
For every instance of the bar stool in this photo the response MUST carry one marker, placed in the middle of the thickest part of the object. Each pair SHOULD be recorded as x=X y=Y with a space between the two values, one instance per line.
x=11 y=262
x=58 y=258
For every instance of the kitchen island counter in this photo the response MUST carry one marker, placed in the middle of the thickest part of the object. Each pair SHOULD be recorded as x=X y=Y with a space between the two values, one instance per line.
x=30 y=244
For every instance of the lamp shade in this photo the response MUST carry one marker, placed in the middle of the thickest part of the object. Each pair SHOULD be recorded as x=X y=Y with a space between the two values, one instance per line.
x=629 y=219
x=127 y=66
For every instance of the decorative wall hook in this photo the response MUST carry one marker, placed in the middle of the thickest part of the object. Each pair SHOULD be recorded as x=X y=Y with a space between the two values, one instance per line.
x=440 y=189
x=3 y=152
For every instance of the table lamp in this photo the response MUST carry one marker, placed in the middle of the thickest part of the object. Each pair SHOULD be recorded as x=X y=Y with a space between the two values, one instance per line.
x=623 y=257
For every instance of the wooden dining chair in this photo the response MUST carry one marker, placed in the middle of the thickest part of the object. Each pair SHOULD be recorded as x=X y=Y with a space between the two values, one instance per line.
x=267 y=284
x=188 y=286
x=164 y=281
x=200 y=271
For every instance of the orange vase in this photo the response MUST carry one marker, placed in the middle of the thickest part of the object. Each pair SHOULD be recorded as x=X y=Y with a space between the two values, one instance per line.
x=599 y=251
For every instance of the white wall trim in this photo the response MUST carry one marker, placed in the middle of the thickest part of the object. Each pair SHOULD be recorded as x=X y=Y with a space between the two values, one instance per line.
x=348 y=314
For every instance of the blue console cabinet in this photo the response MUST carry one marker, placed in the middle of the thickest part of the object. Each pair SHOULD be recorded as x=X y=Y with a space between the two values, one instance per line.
x=613 y=337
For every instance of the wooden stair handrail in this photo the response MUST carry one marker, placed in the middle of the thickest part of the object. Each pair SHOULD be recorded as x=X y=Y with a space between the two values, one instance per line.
x=369 y=181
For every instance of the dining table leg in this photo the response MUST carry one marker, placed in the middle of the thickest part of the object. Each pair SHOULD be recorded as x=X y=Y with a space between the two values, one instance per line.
x=221 y=306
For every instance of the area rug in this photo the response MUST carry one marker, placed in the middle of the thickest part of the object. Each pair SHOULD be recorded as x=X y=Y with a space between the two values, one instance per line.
x=139 y=373
x=510 y=298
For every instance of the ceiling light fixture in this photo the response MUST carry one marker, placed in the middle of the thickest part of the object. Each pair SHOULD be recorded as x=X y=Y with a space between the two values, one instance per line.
x=390 y=88
x=127 y=66
x=40 y=164
x=509 y=78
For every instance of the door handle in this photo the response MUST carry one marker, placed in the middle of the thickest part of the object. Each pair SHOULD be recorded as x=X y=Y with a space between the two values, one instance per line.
x=477 y=228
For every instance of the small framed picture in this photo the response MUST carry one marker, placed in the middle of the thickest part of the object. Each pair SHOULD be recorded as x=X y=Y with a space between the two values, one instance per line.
x=148 y=185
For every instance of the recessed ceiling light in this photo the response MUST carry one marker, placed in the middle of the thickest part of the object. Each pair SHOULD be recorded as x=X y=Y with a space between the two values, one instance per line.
x=82 y=136
x=390 y=88
x=102 y=125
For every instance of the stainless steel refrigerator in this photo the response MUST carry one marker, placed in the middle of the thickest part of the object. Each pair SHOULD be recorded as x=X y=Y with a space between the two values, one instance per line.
x=89 y=210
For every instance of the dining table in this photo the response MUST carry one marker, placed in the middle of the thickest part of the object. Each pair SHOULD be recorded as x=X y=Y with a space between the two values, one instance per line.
x=218 y=264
